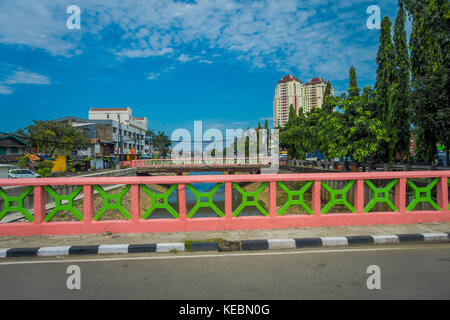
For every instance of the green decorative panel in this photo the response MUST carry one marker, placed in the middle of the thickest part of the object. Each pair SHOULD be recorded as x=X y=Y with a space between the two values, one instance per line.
x=15 y=204
x=63 y=207
x=380 y=195
x=295 y=193
x=422 y=195
x=338 y=197
x=250 y=203
x=112 y=202
x=159 y=201
x=208 y=204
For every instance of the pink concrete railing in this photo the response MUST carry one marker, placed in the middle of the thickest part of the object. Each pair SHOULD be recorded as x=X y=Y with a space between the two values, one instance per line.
x=273 y=220
x=202 y=162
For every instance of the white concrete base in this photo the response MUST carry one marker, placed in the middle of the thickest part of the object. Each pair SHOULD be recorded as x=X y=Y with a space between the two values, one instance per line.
x=435 y=237
x=385 y=239
x=167 y=247
x=53 y=251
x=3 y=252
x=334 y=241
x=113 y=248
x=280 y=244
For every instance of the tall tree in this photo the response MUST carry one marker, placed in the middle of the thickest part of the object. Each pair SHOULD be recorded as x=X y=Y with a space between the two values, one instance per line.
x=162 y=143
x=386 y=71
x=292 y=116
x=353 y=89
x=430 y=69
x=386 y=75
x=328 y=105
x=400 y=91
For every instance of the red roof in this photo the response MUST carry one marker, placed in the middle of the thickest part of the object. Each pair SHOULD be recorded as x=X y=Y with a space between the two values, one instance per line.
x=109 y=109
x=316 y=81
x=289 y=79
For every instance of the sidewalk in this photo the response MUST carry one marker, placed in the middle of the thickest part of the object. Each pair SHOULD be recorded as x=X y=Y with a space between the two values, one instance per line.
x=146 y=238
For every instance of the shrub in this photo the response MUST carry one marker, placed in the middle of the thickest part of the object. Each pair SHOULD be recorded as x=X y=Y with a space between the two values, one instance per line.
x=45 y=165
x=44 y=172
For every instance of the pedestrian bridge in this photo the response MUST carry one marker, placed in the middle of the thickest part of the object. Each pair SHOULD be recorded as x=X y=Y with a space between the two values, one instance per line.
x=180 y=166
x=245 y=202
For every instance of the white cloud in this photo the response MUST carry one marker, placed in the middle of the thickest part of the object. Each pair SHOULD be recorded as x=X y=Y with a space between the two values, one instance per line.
x=19 y=77
x=315 y=37
x=5 y=89
x=26 y=77
x=153 y=76
x=184 y=58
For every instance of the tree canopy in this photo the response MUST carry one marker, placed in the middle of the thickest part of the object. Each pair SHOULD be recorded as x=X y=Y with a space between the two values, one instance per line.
x=53 y=137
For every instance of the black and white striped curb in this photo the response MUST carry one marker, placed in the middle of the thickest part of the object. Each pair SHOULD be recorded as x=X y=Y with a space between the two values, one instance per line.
x=244 y=245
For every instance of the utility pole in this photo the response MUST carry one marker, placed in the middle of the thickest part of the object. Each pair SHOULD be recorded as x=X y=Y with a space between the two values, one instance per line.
x=120 y=140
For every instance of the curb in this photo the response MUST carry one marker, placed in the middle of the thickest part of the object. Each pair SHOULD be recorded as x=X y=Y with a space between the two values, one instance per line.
x=244 y=245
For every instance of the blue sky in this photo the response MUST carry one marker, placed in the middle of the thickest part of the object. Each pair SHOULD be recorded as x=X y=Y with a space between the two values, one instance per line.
x=176 y=61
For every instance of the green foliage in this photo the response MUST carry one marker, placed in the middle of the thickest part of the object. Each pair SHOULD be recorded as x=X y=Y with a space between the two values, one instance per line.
x=353 y=89
x=23 y=162
x=354 y=132
x=430 y=69
x=386 y=72
x=44 y=172
x=328 y=105
x=399 y=93
x=45 y=165
x=161 y=143
x=292 y=115
x=56 y=137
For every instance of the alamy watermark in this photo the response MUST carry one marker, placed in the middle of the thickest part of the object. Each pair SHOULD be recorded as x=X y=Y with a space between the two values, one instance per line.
x=74 y=280
x=374 y=280
x=74 y=20
x=374 y=21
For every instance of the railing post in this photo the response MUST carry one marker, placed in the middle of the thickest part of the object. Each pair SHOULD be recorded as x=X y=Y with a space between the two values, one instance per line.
x=182 y=202
x=359 y=196
x=442 y=193
x=272 y=199
x=39 y=204
x=135 y=203
x=88 y=204
x=228 y=202
x=315 y=198
x=400 y=195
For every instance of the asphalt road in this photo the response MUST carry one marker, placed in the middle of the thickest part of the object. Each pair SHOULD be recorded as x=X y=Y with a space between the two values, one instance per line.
x=407 y=272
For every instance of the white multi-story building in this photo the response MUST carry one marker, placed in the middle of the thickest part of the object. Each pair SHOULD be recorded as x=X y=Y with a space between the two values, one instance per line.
x=315 y=91
x=128 y=133
x=291 y=91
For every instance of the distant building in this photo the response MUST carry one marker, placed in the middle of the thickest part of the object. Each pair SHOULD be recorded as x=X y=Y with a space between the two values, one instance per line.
x=315 y=91
x=113 y=131
x=11 y=148
x=291 y=91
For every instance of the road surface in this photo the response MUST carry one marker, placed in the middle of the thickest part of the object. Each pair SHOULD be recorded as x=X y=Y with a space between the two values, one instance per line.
x=407 y=272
